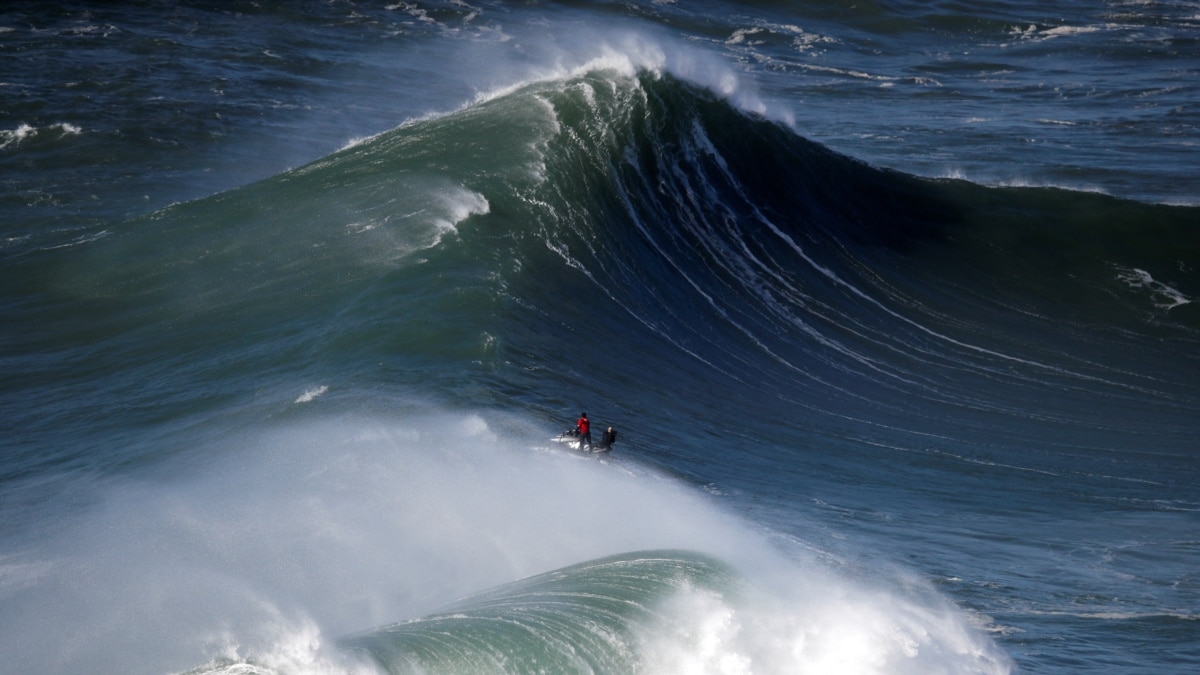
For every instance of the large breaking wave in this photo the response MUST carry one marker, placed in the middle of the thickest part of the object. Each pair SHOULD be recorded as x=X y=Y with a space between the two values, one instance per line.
x=608 y=238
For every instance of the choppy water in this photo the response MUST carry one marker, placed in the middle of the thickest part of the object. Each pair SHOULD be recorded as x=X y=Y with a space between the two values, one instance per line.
x=893 y=305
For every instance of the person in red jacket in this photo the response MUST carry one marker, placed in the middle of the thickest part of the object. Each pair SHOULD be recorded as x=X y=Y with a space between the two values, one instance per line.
x=584 y=427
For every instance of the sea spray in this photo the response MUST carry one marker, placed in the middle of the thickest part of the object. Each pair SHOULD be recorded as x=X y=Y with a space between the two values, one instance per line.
x=291 y=537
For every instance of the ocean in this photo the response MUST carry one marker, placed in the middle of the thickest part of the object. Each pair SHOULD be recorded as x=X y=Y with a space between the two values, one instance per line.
x=892 y=304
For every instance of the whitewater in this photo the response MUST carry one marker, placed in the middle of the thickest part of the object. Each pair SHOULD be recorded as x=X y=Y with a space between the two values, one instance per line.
x=893 y=306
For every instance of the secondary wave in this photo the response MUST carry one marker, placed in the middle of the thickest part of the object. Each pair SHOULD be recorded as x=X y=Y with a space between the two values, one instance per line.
x=670 y=612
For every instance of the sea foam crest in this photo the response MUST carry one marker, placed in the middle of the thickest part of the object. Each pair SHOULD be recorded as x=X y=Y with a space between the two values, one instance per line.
x=622 y=52
x=625 y=52
x=458 y=205
x=1165 y=296
x=24 y=132
x=312 y=394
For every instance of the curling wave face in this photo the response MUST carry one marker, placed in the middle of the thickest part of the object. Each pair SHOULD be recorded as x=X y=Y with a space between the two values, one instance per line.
x=671 y=611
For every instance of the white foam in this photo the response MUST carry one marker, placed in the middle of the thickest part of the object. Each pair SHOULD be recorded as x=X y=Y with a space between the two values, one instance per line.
x=23 y=132
x=312 y=394
x=293 y=649
x=1165 y=296
x=835 y=629
x=456 y=205
x=359 y=140
x=1036 y=33
x=80 y=240
x=438 y=206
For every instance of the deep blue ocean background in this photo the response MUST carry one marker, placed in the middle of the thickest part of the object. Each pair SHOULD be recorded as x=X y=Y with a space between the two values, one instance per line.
x=893 y=304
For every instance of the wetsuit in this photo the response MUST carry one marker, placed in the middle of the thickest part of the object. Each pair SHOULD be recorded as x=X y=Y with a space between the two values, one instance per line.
x=608 y=438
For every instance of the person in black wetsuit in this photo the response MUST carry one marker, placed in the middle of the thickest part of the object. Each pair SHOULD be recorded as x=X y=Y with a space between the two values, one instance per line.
x=607 y=439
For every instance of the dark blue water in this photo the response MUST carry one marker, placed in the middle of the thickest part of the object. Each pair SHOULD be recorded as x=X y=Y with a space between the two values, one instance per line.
x=892 y=304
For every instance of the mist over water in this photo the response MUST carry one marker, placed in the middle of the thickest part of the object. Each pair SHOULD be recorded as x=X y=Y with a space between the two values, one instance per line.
x=291 y=537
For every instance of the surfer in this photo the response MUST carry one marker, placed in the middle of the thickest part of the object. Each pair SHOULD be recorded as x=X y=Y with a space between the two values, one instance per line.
x=607 y=439
x=584 y=427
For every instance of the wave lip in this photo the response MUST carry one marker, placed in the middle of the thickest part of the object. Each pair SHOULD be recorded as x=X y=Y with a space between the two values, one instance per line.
x=670 y=611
